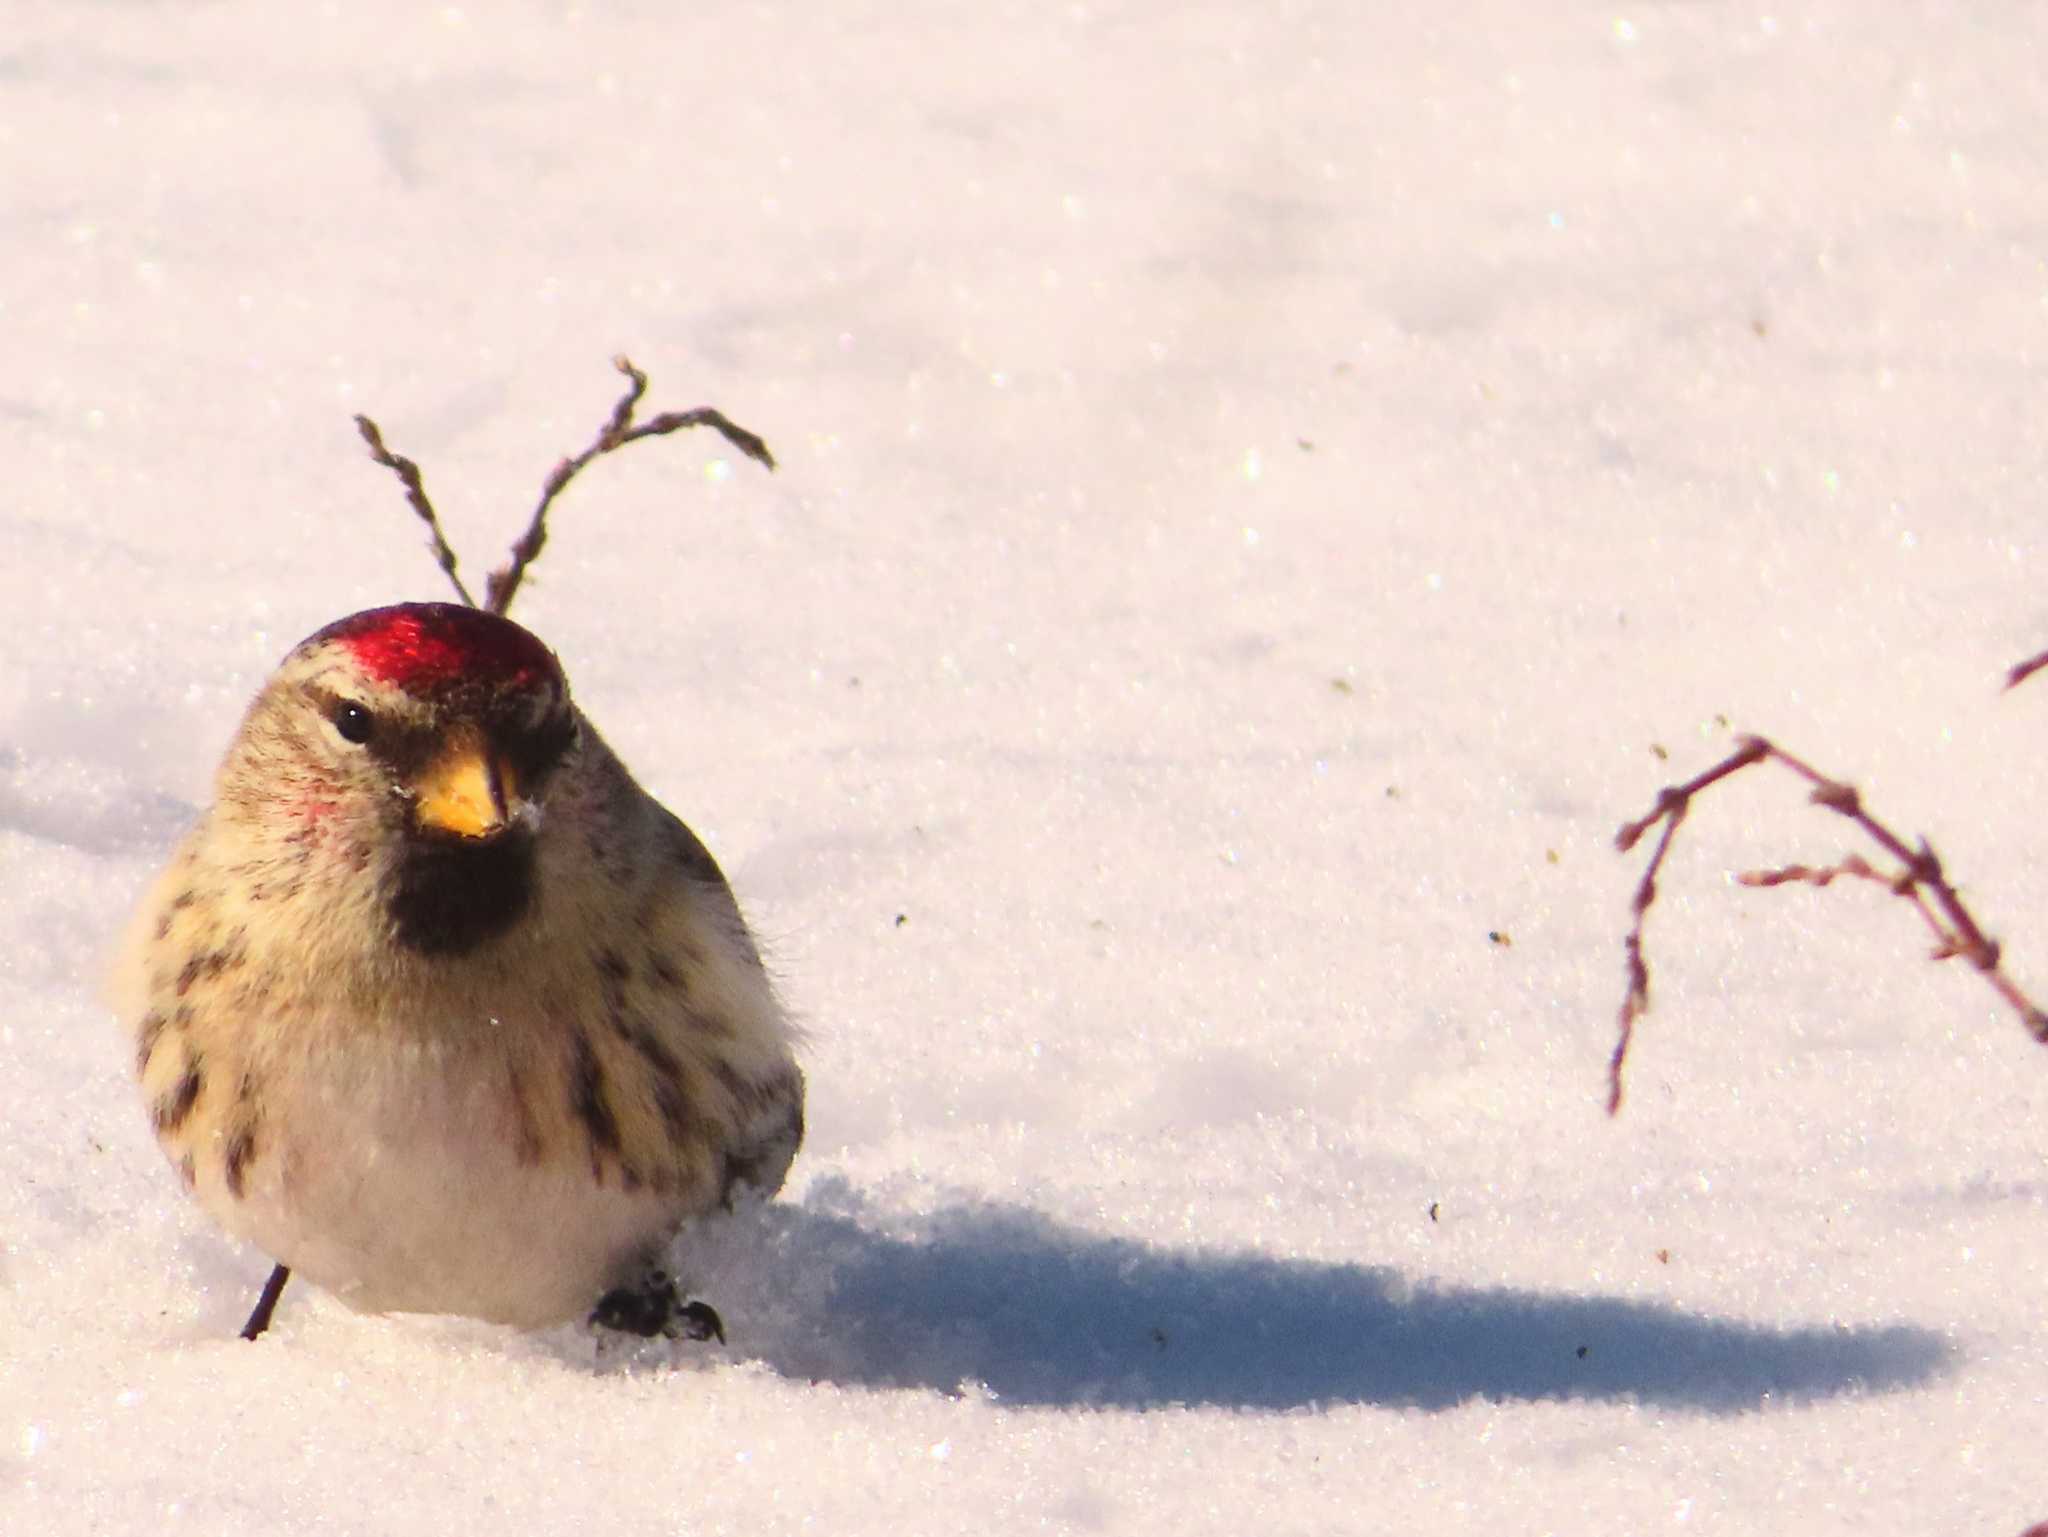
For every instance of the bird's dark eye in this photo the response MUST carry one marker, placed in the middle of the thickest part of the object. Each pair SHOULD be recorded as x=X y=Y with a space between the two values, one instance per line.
x=352 y=722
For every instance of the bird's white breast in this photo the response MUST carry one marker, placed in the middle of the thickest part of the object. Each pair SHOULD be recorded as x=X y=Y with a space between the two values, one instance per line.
x=394 y=1179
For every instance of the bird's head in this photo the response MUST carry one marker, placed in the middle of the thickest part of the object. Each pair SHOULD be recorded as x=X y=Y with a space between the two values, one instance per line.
x=409 y=753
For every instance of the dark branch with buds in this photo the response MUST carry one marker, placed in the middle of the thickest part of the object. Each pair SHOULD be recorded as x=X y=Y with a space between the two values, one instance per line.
x=1918 y=878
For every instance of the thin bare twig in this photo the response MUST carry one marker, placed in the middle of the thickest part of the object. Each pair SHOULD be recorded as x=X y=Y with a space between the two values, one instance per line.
x=618 y=431
x=1920 y=880
x=408 y=475
x=1856 y=866
x=2019 y=672
x=1673 y=801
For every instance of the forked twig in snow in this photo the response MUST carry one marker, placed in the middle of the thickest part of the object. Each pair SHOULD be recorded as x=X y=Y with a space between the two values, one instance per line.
x=619 y=429
x=1920 y=880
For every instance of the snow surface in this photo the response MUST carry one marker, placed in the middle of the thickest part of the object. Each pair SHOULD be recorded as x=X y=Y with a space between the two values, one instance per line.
x=1259 y=485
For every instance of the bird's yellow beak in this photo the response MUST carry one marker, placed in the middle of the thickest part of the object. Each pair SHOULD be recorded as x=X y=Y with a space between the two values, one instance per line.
x=467 y=789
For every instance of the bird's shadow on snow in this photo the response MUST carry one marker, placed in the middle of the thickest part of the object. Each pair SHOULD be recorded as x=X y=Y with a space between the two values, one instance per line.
x=1002 y=1300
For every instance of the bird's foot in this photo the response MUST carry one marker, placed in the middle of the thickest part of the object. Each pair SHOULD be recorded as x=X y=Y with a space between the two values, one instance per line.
x=652 y=1306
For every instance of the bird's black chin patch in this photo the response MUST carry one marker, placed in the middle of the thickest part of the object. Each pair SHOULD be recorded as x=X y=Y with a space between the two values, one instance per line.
x=451 y=893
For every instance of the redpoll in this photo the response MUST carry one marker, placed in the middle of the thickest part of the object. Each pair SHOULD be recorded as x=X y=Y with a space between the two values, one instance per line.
x=441 y=1010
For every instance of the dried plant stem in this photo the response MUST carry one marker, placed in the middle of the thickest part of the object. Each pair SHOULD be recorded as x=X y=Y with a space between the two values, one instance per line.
x=619 y=429
x=2019 y=672
x=1920 y=880
x=408 y=475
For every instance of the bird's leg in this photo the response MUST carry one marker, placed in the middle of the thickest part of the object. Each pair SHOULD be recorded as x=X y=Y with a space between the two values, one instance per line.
x=652 y=1306
x=259 y=1320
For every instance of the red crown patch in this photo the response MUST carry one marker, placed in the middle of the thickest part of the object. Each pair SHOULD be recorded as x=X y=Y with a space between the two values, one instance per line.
x=427 y=647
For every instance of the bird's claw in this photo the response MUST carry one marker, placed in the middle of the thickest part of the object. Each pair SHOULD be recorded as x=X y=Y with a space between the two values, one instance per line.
x=696 y=1321
x=654 y=1307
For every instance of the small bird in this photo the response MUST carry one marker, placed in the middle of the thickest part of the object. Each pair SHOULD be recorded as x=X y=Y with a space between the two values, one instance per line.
x=439 y=1009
